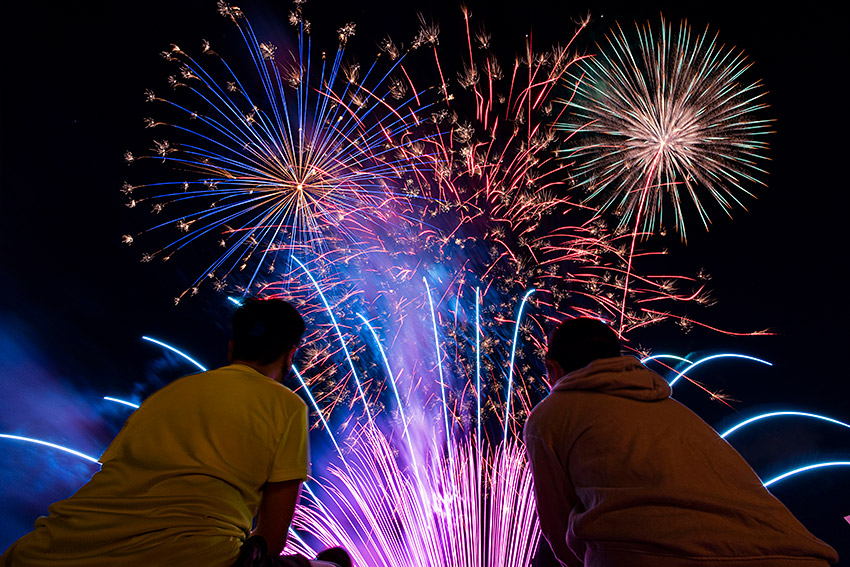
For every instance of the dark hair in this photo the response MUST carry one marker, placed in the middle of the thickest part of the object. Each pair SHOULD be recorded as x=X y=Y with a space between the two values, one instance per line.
x=264 y=329
x=575 y=343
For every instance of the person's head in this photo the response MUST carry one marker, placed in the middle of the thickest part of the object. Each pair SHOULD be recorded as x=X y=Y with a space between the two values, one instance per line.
x=575 y=343
x=264 y=330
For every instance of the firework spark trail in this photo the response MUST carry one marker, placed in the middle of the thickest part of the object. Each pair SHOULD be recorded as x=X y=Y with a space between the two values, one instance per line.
x=399 y=404
x=319 y=412
x=478 y=392
x=677 y=358
x=677 y=375
x=122 y=402
x=444 y=405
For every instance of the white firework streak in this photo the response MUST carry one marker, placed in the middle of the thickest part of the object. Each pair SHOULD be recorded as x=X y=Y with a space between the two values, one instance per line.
x=665 y=121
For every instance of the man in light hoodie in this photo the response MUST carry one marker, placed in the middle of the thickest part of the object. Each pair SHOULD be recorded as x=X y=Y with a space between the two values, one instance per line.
x=626 y=476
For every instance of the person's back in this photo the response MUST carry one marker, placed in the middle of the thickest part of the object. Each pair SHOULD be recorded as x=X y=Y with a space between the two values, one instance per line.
x=183 y=480
x=189 y=462
x=624 y=475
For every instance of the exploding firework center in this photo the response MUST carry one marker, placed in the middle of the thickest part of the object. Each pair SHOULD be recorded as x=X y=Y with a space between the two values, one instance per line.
x=307 y=184
x=305 y=189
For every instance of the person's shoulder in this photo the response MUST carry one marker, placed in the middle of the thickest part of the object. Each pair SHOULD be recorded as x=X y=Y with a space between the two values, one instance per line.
x=285 y=393
x=548 y=404
x=537 y=417
x=290 y=402
x=554 y=410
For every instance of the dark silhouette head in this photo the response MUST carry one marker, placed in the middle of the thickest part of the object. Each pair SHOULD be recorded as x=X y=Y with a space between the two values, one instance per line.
x=265 y=329
x=575 y=343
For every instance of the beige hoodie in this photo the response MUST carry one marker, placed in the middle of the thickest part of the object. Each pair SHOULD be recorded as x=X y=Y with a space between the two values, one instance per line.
x=624 y=475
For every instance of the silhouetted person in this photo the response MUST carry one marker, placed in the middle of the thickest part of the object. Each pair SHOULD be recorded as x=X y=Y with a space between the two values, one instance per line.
x=625 y=476
x=193 y=466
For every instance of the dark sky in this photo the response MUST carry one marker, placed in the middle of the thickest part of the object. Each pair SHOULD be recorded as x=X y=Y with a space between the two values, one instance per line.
x=74 y=301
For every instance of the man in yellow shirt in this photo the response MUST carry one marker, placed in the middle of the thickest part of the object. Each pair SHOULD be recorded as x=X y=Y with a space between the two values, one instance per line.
x=192 y=467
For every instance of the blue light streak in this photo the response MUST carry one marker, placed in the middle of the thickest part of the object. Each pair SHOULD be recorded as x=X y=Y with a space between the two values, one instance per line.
x=387 y=364
x=715 y=356
x=318 y=411
x=807 y=468
x=439 y=365
x=341 y=339
x=782 y=413
x=48 y=444
x=660 y=356
x=513 y=355
x=181 y=353
x=126 y=403
x=406 y=433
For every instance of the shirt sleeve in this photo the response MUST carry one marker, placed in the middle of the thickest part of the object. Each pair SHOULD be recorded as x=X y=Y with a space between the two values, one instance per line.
x=552 y=492
x=292 y=458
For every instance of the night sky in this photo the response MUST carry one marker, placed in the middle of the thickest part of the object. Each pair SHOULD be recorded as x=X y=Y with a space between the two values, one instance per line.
x=74 y=301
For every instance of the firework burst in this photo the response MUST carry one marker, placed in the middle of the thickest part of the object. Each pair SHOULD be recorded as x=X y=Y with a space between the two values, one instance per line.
x=662 y=119
x=308 y=157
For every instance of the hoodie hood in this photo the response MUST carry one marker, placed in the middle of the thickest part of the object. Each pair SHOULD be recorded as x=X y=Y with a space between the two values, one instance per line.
x=622 y=376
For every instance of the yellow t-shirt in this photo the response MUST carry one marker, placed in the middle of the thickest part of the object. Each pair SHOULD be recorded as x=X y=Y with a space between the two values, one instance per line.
x=181 y=482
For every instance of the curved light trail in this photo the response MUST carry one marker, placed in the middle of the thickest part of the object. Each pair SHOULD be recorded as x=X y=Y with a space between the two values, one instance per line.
x=807 y=468
x=660 y=356
x=715 y=356
x=339 y=335
x=318 y=411
x=172 y=349
x=124 y=402
x=439 y=366
x=782 y=413
x=400 y=405
x=48 y=444
x=513 y=355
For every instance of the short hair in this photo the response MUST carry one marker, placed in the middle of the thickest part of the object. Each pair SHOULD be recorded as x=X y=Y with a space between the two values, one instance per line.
x=264 y=329
x=575 y=343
